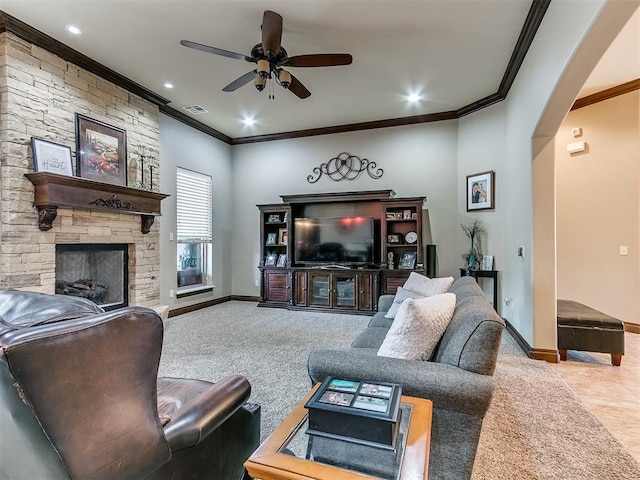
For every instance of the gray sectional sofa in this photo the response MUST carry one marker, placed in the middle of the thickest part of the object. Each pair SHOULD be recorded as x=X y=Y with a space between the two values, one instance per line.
x=458 y=378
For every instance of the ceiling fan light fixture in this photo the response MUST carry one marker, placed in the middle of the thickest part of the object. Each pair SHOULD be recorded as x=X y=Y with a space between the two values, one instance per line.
x=285 y=78
x=263 y=68
x=259 y=82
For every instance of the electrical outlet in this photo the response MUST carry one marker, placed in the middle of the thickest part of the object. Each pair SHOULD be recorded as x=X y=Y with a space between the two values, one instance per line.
x=171 y=236
x=171 y=293
x=624 y=250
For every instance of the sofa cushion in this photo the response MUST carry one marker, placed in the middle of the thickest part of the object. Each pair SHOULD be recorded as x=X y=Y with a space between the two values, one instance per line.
x=371 y=337
x=418 y=327
x=401 y=295
x=426 y=286
x=379 y=320
x=472 y=339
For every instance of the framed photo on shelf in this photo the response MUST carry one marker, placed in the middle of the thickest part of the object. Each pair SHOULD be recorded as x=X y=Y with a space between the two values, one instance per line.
x=274 y=218
x=487 y=262
x=393 y=238
x=283 y=236
x=407 y=261
x=51 y=157
x=406 y=215
x=272 y=239
x=481 y=191
x=414 y=216
x=391 y=216
x=270 y=260
x=101 y=151
x=282 y=260
x=398 y=215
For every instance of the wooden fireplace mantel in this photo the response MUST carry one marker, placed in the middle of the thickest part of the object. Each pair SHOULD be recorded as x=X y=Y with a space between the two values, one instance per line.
x=53 y=190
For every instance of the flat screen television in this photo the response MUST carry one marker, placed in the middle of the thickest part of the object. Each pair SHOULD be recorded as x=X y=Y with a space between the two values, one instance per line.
x=340 y=241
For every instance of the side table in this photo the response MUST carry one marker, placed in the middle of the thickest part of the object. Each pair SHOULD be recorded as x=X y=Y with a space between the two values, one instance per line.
x=493 y=274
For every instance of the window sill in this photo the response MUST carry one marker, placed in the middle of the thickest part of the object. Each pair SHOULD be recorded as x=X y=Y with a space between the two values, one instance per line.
x=188 y=292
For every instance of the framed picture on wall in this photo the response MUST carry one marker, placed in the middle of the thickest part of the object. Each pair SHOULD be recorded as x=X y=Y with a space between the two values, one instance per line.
x=481 y=191
x=101 y=151
x=51 y=157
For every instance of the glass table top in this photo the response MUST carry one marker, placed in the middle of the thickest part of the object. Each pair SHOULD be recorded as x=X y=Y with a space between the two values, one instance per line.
x=355 y=456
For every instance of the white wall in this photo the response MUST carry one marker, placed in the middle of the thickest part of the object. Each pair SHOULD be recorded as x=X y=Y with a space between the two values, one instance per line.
x=417 y=160
x=183 y=146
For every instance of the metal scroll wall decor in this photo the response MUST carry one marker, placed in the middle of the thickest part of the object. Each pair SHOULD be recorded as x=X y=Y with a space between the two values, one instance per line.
x=345 y=167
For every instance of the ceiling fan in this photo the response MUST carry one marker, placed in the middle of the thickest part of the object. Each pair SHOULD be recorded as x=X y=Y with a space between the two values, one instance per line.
x=271 y=59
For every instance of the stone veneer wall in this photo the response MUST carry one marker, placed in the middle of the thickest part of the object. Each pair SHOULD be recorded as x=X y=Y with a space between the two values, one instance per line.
x=39 y=96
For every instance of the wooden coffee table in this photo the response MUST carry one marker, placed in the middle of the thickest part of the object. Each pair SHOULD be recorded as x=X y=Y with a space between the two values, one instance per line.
x=287 y=453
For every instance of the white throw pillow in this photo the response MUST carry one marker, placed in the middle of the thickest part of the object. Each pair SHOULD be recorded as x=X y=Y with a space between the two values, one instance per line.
x=426 y=286
x=418 y=326
x=401 y=296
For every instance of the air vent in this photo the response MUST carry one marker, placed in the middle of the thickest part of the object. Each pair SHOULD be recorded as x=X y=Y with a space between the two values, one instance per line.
x=195 y=109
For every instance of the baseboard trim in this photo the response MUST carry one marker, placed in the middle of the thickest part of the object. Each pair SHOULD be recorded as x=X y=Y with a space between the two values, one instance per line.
x=245 y=298
x=522 y=343
x=549 y=356
x=631 y=327
x=210 y=303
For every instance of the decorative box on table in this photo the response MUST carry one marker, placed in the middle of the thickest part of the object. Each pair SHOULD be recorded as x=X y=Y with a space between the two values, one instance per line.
x=356 y=411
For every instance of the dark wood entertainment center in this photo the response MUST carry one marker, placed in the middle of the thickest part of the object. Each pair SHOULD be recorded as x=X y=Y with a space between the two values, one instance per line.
x=340 y=286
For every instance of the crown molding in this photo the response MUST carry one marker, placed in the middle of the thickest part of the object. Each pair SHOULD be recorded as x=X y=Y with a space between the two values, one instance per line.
x=628 y=87
x=532 y=23
x=36 y=37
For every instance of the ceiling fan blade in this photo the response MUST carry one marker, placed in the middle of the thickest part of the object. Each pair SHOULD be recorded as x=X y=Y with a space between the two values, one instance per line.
x=239 y=82
x=271 y=33
x=319 y=60
x=215 y=51
x=298 y=88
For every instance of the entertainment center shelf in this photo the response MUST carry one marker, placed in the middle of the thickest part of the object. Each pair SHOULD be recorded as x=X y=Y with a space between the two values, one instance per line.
x=338 y=251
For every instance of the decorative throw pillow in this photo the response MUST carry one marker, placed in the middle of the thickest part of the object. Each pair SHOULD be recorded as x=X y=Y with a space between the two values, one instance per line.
x=418 y=326
x=401 y=296
x=426 y=286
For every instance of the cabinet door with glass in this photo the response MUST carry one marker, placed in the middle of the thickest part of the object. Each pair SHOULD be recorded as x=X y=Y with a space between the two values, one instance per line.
x=319 y=289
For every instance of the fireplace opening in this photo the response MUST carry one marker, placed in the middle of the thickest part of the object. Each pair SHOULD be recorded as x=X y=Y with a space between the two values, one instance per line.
x=98 y=272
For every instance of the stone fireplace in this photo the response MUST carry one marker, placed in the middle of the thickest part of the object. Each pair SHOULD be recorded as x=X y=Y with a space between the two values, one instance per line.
x=42 y=93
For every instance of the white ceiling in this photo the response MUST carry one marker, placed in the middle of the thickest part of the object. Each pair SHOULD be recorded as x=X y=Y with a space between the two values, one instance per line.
x=452 y=52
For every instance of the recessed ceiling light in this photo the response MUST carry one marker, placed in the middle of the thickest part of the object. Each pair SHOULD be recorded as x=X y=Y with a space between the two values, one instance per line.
x=168 y=85
x=413 y=98
x=74 y=30
x=249 y=121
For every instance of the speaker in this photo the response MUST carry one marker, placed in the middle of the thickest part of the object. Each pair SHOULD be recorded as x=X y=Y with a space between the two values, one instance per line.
x=430 y=261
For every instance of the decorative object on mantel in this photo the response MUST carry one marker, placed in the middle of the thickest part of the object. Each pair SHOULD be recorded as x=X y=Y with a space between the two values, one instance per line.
x=474 y=232
x=151 y=160
x=53 y=191
x=346 y=167
x=101 y=151
x=481 y=191
x=51 y=157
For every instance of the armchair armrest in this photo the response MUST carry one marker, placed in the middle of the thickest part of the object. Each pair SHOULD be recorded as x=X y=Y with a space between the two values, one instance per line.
x=449 y=387
x=191 y=409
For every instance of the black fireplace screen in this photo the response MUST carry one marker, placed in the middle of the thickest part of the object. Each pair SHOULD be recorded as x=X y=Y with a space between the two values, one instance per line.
x=98 y=272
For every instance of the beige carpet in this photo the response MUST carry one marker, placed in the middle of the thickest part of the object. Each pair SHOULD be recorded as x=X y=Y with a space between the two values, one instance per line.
x=536 y=428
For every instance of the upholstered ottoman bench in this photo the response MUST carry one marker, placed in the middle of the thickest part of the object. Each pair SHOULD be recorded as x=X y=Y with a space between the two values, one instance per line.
x=586 y=329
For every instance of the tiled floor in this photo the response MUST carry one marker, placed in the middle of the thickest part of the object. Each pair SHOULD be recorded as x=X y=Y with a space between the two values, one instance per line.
x=611 y=393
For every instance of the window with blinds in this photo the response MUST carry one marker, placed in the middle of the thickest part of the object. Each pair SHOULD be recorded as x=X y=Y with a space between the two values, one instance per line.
x=194 y=205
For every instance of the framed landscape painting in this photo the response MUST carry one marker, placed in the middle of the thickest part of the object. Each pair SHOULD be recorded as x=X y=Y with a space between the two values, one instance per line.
x=481 y=191
x=101 y=151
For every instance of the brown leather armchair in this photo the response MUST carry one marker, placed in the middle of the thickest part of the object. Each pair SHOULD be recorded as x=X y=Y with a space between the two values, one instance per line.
x=80 y=399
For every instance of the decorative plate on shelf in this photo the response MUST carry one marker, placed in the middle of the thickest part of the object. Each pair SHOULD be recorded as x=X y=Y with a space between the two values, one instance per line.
x=411 y=237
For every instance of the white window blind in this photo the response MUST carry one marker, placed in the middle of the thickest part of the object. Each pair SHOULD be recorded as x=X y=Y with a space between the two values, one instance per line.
x=194 y=206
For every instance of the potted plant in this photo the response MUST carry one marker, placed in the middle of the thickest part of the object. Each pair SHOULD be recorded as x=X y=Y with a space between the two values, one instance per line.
x=474 y=232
